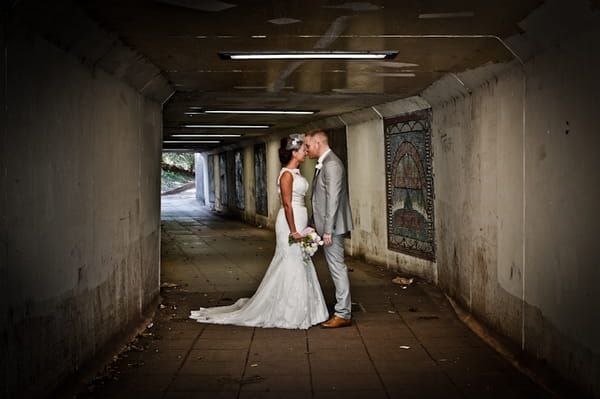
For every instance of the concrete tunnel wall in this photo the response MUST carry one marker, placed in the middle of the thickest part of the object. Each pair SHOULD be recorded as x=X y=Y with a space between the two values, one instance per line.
x=80 y=202
x=516 y=188
x=516 y=182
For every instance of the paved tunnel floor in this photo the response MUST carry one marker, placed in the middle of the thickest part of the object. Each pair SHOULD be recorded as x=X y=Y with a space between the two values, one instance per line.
x=404 y=342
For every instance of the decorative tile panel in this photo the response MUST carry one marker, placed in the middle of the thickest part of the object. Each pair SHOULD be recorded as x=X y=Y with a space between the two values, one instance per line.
x=409 y=184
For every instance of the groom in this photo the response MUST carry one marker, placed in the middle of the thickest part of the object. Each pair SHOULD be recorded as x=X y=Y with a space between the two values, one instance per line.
x=332 y=219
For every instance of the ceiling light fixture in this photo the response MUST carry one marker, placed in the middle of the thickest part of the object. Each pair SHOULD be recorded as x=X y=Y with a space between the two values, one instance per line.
x=308 y=55
x=260 y=87
x=212 y=6
x=464 y=14
x=390 y=74
x=242 y=111
x=216 y=136
x=227 y=126
x=178 y=149
x=192 y=142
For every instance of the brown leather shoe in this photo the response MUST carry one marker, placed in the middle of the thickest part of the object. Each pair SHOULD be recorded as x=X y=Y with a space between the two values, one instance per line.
x=336 y=322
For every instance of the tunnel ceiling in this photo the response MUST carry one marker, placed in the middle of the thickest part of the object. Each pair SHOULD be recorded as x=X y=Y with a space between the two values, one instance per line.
x=184 y=38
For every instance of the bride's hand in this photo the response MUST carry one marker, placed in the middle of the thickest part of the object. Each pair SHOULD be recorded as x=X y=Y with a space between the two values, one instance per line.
x=296 y=236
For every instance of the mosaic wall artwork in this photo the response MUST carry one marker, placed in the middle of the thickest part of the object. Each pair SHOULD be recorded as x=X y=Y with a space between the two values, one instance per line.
x=211 y=181
x=409 y=182
x=223 y=177
x=239 y=180
x=260 y=178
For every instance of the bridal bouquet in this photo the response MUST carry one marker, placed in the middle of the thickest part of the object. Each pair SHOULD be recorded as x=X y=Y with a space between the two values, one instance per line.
x=310 y=242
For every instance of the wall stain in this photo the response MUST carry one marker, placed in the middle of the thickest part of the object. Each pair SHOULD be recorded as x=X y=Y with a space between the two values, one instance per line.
x=85 y=323
x=446 y=143
x=479 y=285
x=570 y=357
x=541 y=153
x=454 y=285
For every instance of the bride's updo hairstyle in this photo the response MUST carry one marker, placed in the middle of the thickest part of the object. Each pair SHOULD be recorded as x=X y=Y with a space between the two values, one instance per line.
x=289 y=144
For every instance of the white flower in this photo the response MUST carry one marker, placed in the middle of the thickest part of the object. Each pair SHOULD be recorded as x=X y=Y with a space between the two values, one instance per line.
x=309 y=243
x=294 y=141
x=319 y=165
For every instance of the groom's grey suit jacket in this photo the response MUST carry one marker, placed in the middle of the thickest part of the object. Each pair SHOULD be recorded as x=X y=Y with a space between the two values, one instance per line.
x=330 y=203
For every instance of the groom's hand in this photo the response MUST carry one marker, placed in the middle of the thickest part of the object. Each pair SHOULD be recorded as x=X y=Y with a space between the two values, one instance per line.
x=327 y=240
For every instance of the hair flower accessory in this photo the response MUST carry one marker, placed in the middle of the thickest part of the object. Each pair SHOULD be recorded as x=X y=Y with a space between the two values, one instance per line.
x=294 y=141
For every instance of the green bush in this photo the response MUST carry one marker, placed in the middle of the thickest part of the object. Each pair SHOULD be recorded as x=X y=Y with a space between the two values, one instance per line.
x=178 y=160
x=177 y=169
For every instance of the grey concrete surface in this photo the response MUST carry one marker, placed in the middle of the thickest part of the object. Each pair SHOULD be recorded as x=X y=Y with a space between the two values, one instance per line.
x=79 y=211
x=405 y=342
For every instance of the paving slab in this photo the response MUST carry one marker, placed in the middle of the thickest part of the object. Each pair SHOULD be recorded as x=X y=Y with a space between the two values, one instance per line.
x=404 y=342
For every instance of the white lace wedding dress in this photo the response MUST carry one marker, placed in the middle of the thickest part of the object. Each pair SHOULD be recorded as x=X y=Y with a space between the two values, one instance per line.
x=289 y=296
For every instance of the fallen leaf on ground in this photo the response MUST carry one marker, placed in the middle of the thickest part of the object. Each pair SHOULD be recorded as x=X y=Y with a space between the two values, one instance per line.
x=168 y=285
x=402 y=280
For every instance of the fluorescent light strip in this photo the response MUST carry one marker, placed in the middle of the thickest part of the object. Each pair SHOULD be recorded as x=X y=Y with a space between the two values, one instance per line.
x=309 y=55
x=464 y=14
x=192 y=142
x=260 y=87
x=216 y=136
x=227 y=126
x=265 y=112
x=390 y=74
x=191 y=149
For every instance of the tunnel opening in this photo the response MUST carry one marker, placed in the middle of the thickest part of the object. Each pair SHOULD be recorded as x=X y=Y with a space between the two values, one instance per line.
x=177 y=172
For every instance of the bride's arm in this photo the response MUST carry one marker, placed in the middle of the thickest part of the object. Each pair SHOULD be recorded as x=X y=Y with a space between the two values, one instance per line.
x=285 y=186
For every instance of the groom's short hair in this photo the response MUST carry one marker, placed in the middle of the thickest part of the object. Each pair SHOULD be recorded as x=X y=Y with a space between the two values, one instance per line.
x=320 y=133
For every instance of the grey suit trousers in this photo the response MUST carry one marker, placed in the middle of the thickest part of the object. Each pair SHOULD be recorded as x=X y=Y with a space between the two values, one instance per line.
x=334 y=255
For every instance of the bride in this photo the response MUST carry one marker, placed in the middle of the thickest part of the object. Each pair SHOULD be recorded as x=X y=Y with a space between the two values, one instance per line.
x=289 y=295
